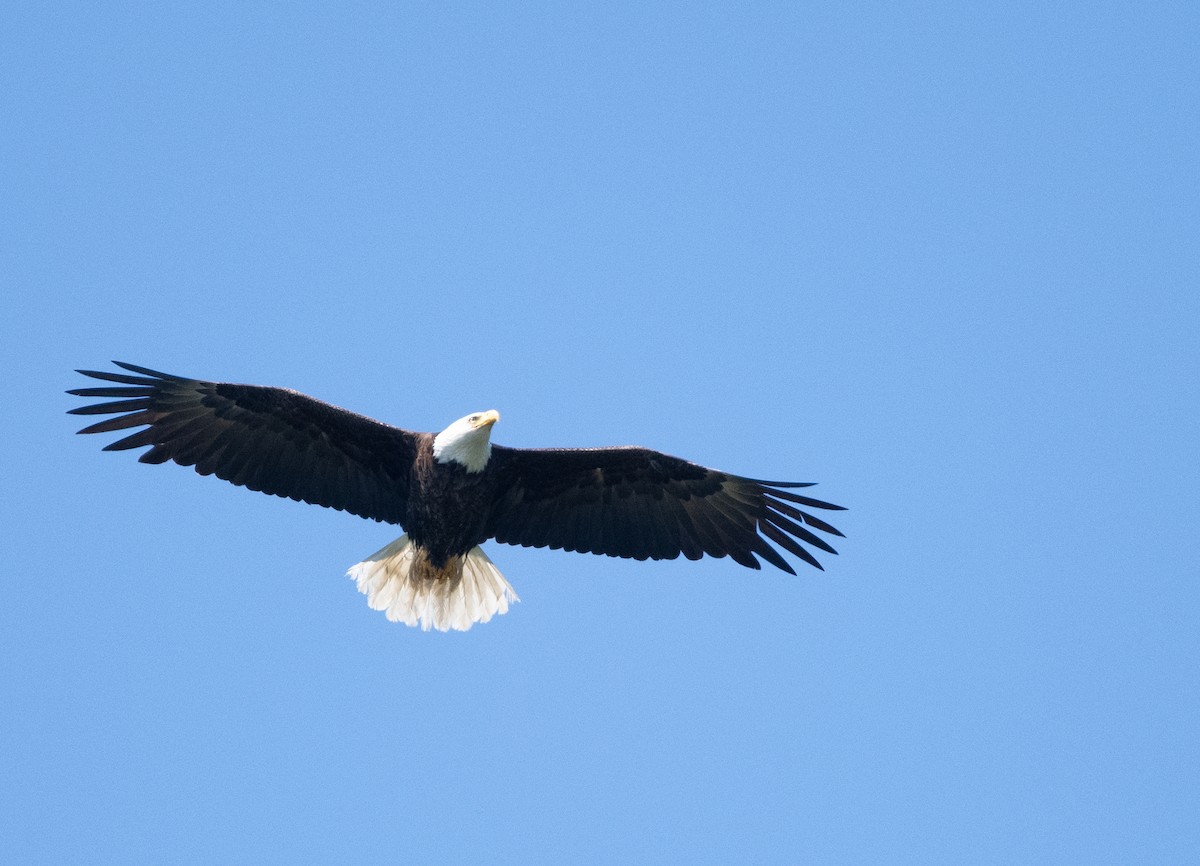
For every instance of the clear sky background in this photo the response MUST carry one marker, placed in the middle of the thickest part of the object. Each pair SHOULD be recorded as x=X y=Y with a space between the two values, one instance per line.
x=941 y=258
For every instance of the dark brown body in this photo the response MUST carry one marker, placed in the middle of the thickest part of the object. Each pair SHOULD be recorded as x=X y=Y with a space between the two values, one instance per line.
x=449 y=508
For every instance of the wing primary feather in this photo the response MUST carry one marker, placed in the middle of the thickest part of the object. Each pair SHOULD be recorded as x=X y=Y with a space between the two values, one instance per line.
x=788 y=543
x=817 y=523
x=800 y=532
x=744 y=557
x=137 y=440
x=157 y=454
x=783 y=508
x=111 y=408
x=770 y=554
x=123 y=378
x=111 y=392
x=121 y=422
x=804 y=500
x=146 y=371
x=797 y=514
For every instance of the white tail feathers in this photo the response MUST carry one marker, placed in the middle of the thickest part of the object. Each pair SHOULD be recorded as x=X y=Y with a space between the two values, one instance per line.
x=400 y=580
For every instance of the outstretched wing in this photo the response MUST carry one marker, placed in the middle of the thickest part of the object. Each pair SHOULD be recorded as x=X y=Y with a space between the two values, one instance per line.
x=642 y=504
x=270 y=439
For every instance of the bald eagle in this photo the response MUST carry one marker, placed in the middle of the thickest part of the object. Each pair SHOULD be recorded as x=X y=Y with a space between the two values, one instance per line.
x=451 y=491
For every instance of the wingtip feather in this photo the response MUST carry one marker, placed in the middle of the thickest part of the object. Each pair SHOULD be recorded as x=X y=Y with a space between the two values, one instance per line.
x=145 y=371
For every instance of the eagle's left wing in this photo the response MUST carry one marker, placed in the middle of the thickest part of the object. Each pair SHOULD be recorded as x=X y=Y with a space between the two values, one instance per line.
x=642 y=504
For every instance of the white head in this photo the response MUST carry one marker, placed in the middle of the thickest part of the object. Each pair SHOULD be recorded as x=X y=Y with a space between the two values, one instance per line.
x=467 y=441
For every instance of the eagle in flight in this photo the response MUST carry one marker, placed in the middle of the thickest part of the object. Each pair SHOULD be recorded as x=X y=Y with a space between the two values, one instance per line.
x=451 y=491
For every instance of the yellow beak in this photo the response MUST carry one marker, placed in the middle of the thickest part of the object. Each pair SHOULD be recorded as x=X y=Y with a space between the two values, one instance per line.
x=488 y=418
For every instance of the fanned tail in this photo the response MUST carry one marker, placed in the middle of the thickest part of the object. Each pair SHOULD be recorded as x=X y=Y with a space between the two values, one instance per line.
x=400 y=580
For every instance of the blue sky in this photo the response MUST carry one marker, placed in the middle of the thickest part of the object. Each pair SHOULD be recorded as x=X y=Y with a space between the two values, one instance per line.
x=941 y=259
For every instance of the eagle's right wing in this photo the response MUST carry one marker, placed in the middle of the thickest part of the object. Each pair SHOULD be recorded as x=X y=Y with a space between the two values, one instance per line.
x=270 y=439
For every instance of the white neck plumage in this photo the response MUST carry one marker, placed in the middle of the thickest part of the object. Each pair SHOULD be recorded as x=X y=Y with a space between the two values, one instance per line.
x=467 y=442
